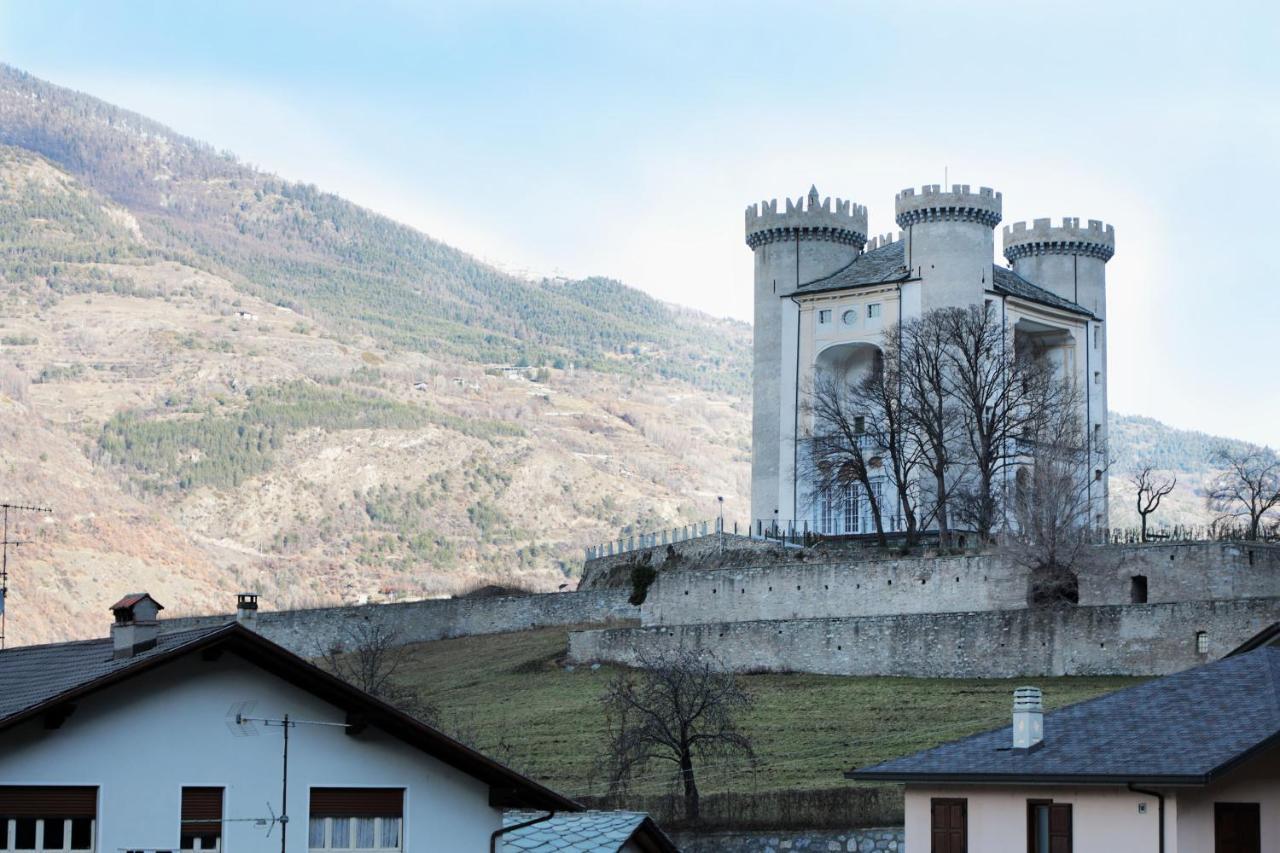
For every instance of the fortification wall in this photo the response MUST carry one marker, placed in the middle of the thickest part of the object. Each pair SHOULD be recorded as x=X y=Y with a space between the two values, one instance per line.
x=1151 y=639
x=808 y=590
x=738 y=550
x=1182 y=571
x=310 y=632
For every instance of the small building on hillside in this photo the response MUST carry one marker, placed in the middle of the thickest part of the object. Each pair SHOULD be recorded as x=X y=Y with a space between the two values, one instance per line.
x=1188 y=763
x=150 y=741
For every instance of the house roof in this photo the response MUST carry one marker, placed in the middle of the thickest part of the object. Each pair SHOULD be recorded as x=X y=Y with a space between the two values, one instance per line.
x=1184 y=729
x=585 y=832
x=48 y=680
x=887 y=265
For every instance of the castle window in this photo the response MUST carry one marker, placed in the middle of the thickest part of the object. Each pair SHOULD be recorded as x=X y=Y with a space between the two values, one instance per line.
x=849 y=317
x=1097 y=474
x=824 y=316
x=1097 y=377
x=873 y=310
x=1095 y=337
x=1202 y=643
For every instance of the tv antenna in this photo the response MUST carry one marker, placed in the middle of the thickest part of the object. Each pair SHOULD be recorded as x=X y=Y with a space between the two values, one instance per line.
x=242 y=724
x=4 y=553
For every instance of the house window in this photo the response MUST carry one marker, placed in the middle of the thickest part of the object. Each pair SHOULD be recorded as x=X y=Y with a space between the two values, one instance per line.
x=1237 y=827
x=1202 y=643
x=948 y=825
x=1138 y=589
x=873 y=310
x=824 y=316
x=47 y=818
x=201 y=819
x=356 y=819
x=1048 y=827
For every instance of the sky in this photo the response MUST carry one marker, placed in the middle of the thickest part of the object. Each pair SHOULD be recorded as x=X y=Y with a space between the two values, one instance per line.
x=625 y=140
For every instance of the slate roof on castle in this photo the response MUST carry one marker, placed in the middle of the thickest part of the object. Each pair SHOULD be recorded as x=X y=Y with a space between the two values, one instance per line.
x=1184 y=729
x=886 y=265
x=50 y=679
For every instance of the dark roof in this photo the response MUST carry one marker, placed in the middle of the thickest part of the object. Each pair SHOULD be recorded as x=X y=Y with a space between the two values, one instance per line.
x=1268 y=636
x=1184 y=729
x=585 y=832
x=1008 y=283
x=886 y=265
x=48 y=680
x=133 y=598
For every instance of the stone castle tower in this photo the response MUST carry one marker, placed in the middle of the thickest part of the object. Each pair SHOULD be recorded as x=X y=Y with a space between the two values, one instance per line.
x=824 y=295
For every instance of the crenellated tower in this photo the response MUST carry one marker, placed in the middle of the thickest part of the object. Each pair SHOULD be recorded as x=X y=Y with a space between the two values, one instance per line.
x=803 y=243
x=950 y=241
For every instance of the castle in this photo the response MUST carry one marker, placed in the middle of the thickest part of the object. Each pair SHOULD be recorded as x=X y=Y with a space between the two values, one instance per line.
x=824 y=296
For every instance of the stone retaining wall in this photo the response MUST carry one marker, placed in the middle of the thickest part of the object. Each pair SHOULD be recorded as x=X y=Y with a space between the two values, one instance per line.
x=886 y=840
x=1151 y=639
x=310 y=632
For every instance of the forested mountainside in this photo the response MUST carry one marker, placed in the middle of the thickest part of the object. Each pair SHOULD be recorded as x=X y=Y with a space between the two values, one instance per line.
x=221 y=381
x=295 y=246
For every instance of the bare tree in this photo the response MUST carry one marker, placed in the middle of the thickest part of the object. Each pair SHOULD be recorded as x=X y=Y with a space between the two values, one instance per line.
x=1248 y=487
x=1151 y=489
x=681 y=707
x=371 y=658
x=997 y=386
x=929 y=416
x=837 y=444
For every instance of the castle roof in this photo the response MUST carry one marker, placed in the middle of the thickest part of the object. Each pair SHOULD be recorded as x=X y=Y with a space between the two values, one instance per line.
x=1189 y=728
x=887 y=265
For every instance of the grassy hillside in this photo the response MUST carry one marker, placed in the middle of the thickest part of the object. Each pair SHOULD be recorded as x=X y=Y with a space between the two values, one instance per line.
x=808 y=729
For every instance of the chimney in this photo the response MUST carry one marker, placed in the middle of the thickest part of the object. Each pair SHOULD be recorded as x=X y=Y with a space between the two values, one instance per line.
x=1028 y=719
x=137 y=624
x=247 y=608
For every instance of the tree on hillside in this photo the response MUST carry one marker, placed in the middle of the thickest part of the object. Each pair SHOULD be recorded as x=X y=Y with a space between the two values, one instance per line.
x=1151 y=489
x=1247 y=489
x=370 y=658
x=680 y=708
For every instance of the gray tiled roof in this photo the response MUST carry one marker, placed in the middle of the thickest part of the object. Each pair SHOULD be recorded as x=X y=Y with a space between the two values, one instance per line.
x=1185 y=728
x=578 y=832
x=30 y=676
x=886 y=265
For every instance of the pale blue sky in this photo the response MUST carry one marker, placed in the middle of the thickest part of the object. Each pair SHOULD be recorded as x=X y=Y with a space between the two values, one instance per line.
x=597 y=138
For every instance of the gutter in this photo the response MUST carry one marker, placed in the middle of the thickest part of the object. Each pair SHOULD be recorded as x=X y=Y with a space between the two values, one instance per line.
x=1160 y=798
x=498 y=833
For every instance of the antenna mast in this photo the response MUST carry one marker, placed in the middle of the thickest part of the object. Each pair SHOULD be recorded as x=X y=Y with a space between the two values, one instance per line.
x=4 y=555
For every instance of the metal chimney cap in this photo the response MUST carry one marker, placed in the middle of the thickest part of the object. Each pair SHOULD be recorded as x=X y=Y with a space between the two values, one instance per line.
x=1027 y=699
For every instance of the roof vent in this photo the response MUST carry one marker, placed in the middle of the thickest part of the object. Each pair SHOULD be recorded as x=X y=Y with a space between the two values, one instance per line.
x=1028 y=718
x=247 y=608
x=137 y=624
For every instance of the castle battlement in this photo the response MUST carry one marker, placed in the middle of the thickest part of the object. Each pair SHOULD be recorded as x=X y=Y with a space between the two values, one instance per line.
x=846 y=222
x=882 y=241
x=931 y=204
x=1042 y=237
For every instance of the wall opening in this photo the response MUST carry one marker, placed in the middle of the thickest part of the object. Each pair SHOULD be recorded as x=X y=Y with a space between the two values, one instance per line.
x=1202 y=643
x=1138 y=589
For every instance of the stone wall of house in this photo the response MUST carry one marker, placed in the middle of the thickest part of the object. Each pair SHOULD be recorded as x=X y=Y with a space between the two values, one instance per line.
x=310 y=632
x=883 y=840
x=1149 y=639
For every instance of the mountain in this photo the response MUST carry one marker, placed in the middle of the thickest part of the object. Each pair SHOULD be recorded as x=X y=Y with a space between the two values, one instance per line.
x=224 y=381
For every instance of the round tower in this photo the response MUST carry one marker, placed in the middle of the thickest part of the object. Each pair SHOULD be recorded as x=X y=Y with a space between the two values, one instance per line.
x=950 y=241
x=799 y=245
x=1067 y=260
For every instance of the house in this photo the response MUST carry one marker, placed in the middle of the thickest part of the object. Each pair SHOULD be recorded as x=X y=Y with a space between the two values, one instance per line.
x=584 y=832
x=150 y=741
x=1188 y=763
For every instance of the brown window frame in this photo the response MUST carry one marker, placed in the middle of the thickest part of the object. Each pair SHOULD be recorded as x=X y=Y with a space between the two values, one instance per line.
x=949 y=801
x=1031 y=822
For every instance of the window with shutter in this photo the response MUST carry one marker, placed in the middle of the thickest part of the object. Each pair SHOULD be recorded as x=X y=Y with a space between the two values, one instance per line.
x=47 y=819
x=1048 y=827
x=949 y=826
x=356 y=819
x=201 y=819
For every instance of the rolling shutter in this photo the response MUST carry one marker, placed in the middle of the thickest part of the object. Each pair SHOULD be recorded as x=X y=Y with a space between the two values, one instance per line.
x=48 y=801
x=357 y=802
x=201 y=810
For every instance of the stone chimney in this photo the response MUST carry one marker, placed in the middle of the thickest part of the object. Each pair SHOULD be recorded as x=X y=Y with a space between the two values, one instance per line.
x=247 y=608
x=1028 y=718
x=137 y=625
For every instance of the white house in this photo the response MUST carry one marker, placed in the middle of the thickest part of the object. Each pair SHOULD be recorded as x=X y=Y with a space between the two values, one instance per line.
x=161 y=742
